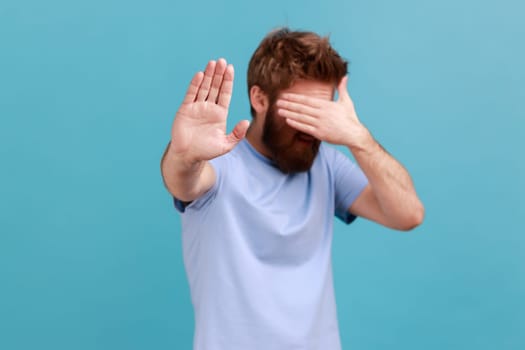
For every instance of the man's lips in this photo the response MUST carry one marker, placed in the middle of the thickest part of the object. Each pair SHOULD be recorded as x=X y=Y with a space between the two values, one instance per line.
x=305 y=138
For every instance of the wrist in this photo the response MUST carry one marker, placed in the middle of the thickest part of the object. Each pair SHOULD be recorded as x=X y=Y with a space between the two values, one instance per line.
x=182 y=158
x=361 y=140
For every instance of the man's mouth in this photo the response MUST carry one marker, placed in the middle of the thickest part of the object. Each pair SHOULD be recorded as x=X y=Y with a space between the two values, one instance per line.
x=305 y=138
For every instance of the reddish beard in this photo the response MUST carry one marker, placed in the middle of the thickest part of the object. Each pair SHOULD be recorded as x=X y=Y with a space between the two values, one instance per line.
x=292 y=151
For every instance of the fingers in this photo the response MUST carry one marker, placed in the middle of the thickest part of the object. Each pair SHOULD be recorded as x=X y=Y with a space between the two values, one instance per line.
x=297 y=116
x=215 y=85
x=342 y=89
x=303 y=127
x=238 y=133
x=225 y=93
x=220 y=68
x=191 y=94
x=204 y=89
x=304 y=100
x=288 y=109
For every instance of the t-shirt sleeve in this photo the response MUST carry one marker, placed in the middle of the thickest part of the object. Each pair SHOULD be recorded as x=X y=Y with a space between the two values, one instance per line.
x=349 y=181
x=207 y=196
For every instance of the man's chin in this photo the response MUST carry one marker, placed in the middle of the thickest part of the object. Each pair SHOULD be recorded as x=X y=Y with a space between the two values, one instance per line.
x=296 y=164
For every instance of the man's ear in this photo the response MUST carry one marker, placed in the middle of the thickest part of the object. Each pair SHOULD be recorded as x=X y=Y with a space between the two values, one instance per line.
x=258 y=100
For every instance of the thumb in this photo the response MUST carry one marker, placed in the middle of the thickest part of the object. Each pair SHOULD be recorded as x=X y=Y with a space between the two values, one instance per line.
x=238 y=133
x=342 y=90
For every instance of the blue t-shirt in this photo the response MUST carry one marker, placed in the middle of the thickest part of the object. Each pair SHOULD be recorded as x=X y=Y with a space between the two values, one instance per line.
x=257 y=251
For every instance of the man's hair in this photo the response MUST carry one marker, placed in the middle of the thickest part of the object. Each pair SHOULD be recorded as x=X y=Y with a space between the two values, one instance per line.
x=285 y=56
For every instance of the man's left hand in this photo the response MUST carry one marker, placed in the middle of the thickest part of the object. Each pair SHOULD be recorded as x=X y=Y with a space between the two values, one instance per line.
x=335 y=122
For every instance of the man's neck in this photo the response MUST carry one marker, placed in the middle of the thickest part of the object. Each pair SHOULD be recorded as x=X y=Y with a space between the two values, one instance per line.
x=254 y=137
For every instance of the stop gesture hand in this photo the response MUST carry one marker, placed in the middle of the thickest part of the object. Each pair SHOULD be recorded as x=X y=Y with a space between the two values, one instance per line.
x=199 y=129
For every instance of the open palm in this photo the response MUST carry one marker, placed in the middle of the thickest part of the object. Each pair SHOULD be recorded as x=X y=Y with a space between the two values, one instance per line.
x=199 y=129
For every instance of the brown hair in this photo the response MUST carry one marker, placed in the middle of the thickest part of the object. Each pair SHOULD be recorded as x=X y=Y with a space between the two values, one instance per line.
x=285 y=56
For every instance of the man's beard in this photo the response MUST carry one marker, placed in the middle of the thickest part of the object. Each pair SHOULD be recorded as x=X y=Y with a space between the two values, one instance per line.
x=292 y=151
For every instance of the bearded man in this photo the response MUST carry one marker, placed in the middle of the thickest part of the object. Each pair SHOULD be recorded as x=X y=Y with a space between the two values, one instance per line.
x=257 y=205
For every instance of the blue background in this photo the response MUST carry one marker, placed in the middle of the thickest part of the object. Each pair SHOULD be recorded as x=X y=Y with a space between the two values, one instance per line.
x=90 y=253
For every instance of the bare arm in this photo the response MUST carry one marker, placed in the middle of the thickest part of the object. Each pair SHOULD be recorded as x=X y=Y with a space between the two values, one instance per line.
x=390 y=198
x=199 y=133
x=186 y=182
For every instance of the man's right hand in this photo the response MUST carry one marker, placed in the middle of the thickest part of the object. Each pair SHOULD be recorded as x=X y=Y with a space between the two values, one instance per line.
x=199 y=133
x=199 y=130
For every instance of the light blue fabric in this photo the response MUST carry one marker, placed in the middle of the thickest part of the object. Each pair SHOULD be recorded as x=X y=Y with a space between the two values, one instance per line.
x=257 y=252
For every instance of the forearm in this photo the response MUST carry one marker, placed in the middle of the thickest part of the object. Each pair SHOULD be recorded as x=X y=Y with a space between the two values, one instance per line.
x=186 y=180
x=390 y=182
